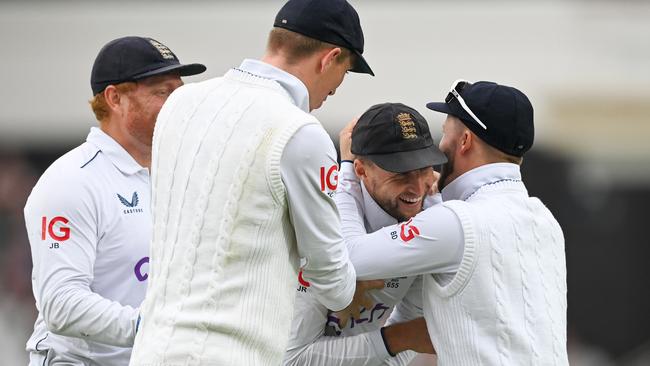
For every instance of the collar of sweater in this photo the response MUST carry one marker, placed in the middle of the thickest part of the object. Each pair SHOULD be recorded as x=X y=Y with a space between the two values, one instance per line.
x=470 y=182
x=291 y=84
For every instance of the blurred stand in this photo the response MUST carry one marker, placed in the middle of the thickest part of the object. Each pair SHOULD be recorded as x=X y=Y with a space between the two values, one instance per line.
x=582 y=354
x=17 y=309
x=584 y=64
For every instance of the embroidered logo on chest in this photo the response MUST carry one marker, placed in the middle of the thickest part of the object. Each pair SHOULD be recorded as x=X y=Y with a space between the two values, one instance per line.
x=132 y=204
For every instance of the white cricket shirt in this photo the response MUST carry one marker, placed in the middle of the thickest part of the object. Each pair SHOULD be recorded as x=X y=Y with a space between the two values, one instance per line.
x=316 y=337
x=89 y=225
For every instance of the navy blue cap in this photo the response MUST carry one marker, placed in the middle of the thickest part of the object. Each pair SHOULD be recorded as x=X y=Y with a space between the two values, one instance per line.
x=396 y=138
x=332 y=21
x=505 y=111
x=134 y=58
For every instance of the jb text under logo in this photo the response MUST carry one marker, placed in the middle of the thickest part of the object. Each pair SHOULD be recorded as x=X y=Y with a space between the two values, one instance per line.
x=56 y=229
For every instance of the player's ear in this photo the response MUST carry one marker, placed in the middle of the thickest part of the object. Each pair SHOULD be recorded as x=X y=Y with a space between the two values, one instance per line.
x=466 y=141
x=112 y=97
x=359 y=168
x=329 y=58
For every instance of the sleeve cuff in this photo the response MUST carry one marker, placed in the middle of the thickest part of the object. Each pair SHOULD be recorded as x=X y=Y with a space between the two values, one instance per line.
x=347 y=171
x=384 y=343
x=337 y=301
x=376 y=340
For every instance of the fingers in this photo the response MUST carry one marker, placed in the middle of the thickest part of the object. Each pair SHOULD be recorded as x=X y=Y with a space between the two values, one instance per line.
x=360 y=301
x=349 y=126
x=372 y=284
x=434 y=186
x=345 y=140
x=363 y=302
x=343 y=319
x=364 y=286
x=434 y=189
x=356 y=312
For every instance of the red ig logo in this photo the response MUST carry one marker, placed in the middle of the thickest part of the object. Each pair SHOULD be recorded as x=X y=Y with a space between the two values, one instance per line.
x=63 y=233
x=330 y=179
x=302 y=280
x=408 y=231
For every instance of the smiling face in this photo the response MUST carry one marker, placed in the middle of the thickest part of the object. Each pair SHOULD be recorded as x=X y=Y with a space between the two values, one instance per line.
x=401 y=195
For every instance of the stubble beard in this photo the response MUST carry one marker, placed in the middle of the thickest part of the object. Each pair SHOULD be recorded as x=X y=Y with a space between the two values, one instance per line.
x=392 y=208
x=138 y=127
x=445 y=172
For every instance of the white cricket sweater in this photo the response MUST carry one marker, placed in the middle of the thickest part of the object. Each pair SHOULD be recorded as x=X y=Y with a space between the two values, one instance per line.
x=506 y=305
x=224 y=255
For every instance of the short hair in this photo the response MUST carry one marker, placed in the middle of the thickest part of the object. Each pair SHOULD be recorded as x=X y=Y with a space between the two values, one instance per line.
x=504 y=157
x=364 y=159
x=98 y=103
x=296 y=46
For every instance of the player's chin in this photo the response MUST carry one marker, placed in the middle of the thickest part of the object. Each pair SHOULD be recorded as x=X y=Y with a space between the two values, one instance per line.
x=318 y=105
x=408 y=212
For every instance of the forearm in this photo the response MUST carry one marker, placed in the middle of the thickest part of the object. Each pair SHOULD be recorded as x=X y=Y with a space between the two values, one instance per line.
x=412 y=335
x=366 y=349
x=77 y=312
x=308 y=168
x=432 y=242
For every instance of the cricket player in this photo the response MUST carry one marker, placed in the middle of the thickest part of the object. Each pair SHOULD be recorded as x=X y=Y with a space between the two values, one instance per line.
x=390 y=181
x=505 y=302
x=88 y=217
x=243 y=179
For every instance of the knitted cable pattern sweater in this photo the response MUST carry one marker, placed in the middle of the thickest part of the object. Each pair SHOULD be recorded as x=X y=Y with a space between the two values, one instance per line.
x=506 y=305
x=223 y=255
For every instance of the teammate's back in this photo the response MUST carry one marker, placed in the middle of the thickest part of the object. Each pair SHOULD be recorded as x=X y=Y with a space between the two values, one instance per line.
x=513 y=277
x=215 y=202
